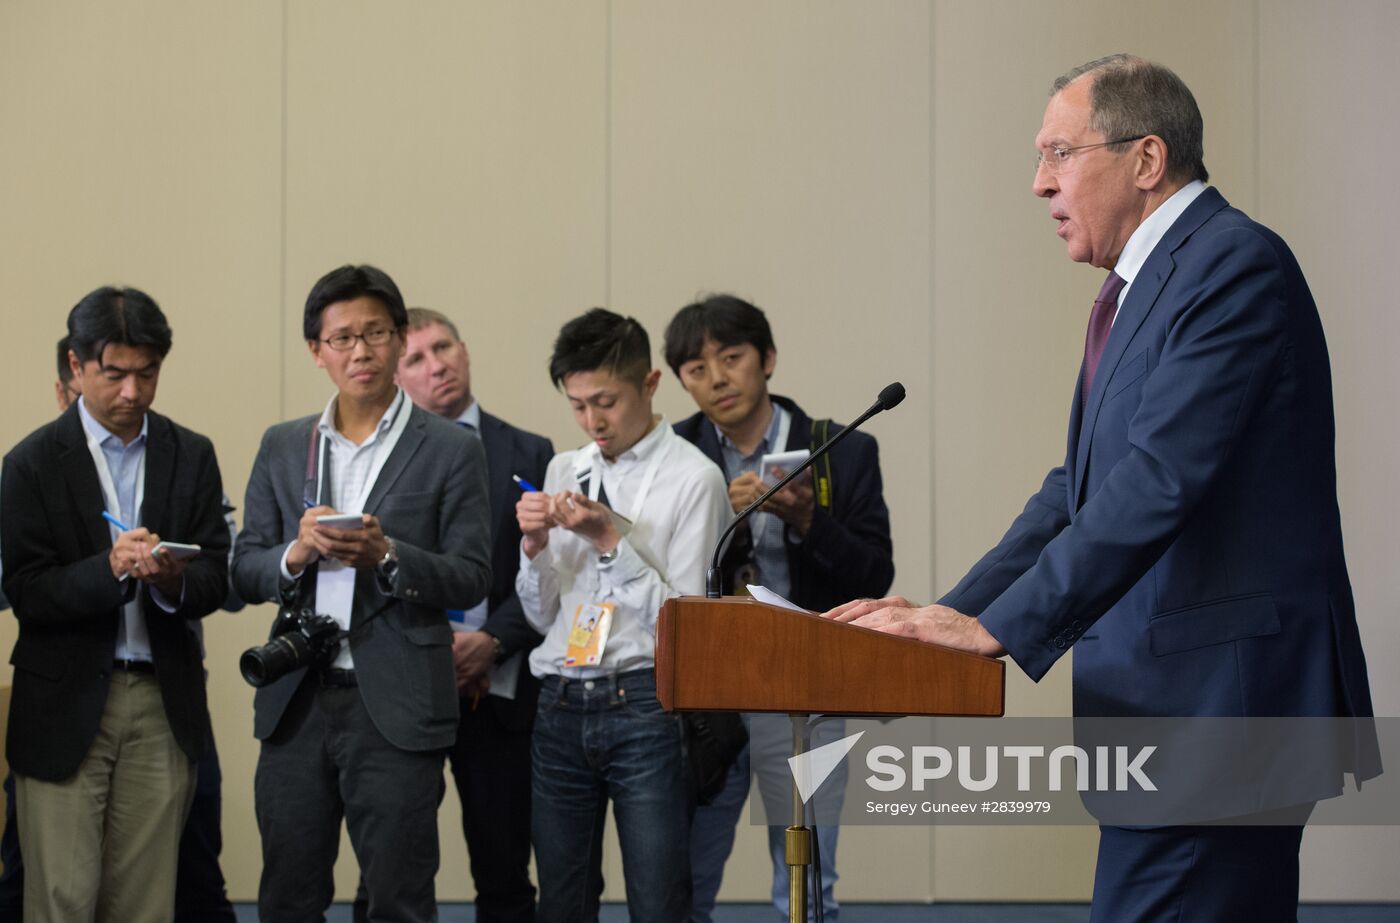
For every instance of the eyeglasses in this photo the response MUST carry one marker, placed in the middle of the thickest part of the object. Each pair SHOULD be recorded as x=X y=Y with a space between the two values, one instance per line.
x=374 y=336
x=1059 y=159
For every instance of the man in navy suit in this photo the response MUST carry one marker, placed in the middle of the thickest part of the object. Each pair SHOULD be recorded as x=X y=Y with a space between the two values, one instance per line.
x=1190 y=546
x=491 y=758
x=817 y=542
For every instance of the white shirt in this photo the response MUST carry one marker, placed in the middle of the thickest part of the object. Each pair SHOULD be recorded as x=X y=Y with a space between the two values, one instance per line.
x=1150 y=233
x=665 y=554
x=353 y=471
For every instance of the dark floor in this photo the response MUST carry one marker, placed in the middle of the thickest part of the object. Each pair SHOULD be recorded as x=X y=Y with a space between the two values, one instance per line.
x=910 y=913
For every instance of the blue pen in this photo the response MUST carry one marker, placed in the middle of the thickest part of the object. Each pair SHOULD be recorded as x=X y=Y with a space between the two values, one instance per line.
x=115 y=521
x=524 y=484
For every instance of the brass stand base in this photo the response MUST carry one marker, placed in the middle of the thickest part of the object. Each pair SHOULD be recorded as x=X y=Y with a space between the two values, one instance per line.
x=798 y=840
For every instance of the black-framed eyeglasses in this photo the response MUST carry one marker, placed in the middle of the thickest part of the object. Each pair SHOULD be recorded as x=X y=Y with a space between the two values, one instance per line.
x=1059 y=159
x=374 y=336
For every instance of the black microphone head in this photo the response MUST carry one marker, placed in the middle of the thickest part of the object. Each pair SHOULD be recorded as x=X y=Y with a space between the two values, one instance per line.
x=891 y=396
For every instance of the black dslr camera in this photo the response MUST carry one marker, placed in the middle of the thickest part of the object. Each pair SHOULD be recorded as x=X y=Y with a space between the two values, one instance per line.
x=301 y=638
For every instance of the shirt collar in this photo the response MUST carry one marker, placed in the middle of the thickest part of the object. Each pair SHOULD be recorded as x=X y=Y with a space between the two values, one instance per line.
x=326 y=426
x=1153 y=228
x=585 y=458
x=101 y=433
x=770 y=436
x=472 y=415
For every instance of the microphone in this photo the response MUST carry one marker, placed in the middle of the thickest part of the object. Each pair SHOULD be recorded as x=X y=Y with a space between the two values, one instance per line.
x=888 y=399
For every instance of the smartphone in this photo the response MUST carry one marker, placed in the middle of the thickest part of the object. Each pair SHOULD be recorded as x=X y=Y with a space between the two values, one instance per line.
x=176 y=550
x=341 y=521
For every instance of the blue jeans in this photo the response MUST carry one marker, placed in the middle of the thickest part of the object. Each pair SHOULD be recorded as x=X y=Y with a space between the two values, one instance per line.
x=600 y=740
x=712 y=829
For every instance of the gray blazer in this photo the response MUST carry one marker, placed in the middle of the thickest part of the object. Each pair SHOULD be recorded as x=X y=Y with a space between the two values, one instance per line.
x=431 y=499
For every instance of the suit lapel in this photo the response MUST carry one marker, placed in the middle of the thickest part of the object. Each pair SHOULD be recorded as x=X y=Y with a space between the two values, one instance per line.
x=80 y=474
x=160 y=469
x=1136 y=306
x=500 y=465
x=407 y=447
x=799 y=427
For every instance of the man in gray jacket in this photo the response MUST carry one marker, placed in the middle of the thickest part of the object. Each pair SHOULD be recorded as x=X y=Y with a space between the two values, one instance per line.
x=374 y=515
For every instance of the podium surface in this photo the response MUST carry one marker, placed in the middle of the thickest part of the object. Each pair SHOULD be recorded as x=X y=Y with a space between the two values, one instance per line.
x=738 y=654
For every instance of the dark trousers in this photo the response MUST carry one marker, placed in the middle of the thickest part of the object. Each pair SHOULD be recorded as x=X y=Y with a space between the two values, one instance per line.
x=491 y=767
x=1210 y=874
x=327 y=762
x=199 y=884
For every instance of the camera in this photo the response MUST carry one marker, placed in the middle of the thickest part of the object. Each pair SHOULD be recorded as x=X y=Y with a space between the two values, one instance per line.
x=301 y=638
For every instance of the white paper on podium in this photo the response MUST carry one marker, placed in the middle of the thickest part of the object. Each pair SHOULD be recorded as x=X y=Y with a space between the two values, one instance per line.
x=765 y=595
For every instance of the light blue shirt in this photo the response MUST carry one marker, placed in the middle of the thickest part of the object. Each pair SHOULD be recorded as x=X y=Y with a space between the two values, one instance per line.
x=769 y=546
x=124 y=464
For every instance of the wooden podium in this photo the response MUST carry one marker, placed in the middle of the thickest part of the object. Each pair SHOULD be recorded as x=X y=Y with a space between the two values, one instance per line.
x=738 y=654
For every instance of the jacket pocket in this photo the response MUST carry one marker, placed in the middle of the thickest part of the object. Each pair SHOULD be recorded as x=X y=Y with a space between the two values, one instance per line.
x=428 y=634
x=30 y=660
x=1127 y=373
x=1213 y=623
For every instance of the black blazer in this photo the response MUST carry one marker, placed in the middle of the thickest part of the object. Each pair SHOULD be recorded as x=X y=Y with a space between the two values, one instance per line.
x=60 y=583
x=511 y=451
x=847 y=553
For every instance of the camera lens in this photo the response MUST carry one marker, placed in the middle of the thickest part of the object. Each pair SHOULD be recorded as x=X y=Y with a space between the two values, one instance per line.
x=275 y=659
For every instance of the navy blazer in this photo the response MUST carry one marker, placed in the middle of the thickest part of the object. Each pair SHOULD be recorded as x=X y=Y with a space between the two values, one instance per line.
x=1190 y=546
x=58 y=577
x=509 y=451
x=847 y=553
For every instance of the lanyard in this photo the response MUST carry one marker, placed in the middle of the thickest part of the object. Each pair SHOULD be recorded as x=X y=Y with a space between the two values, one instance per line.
x=758 y=526
x=109 y=487
x=658 y=455
x=320 y=473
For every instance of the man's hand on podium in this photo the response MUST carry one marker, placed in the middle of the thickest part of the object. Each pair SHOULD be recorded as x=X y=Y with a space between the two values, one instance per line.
x=932 y=624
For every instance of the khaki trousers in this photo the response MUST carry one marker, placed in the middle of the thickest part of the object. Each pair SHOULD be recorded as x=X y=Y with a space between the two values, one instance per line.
x=103 y=845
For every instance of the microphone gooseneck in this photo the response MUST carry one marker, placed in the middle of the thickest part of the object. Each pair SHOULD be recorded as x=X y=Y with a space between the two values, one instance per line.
x=890 y=397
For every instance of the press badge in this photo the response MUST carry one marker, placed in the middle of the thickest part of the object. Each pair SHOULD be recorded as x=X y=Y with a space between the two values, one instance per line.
x=589 y=634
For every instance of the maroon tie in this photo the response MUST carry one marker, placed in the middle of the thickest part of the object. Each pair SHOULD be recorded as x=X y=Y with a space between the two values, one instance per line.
x=1100 y=324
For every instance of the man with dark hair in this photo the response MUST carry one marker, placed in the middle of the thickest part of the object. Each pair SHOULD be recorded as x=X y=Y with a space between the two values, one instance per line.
x=1189 y=549
x=814 y=544
x=491 y=756
x=200 y=896
x=622 y=524
x=108 y=715
x=360 y=732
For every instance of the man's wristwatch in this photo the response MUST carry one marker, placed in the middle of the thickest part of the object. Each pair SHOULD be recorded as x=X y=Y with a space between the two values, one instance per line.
x=607 y=557
x=498 y=650
x=388 y=565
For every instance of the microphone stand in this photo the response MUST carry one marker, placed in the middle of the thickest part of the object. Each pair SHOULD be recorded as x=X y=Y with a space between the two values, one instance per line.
x=798 y=836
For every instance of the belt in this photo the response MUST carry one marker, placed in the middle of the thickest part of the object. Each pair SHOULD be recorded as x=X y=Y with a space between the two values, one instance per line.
x=134 y=666
x=337 y=678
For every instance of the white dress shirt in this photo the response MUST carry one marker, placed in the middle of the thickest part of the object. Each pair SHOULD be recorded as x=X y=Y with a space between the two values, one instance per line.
x=665 y=553
x=353 y=471
x=1150 y=233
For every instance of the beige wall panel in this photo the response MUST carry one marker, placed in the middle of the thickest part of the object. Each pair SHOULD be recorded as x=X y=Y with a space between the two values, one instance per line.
x=460 y=147
x=1328 y=130
x=142 y=147
x=1010 y=312
x=780 y=151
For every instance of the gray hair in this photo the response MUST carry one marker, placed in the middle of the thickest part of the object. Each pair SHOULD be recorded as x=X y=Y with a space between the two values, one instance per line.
x=1131 y=97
